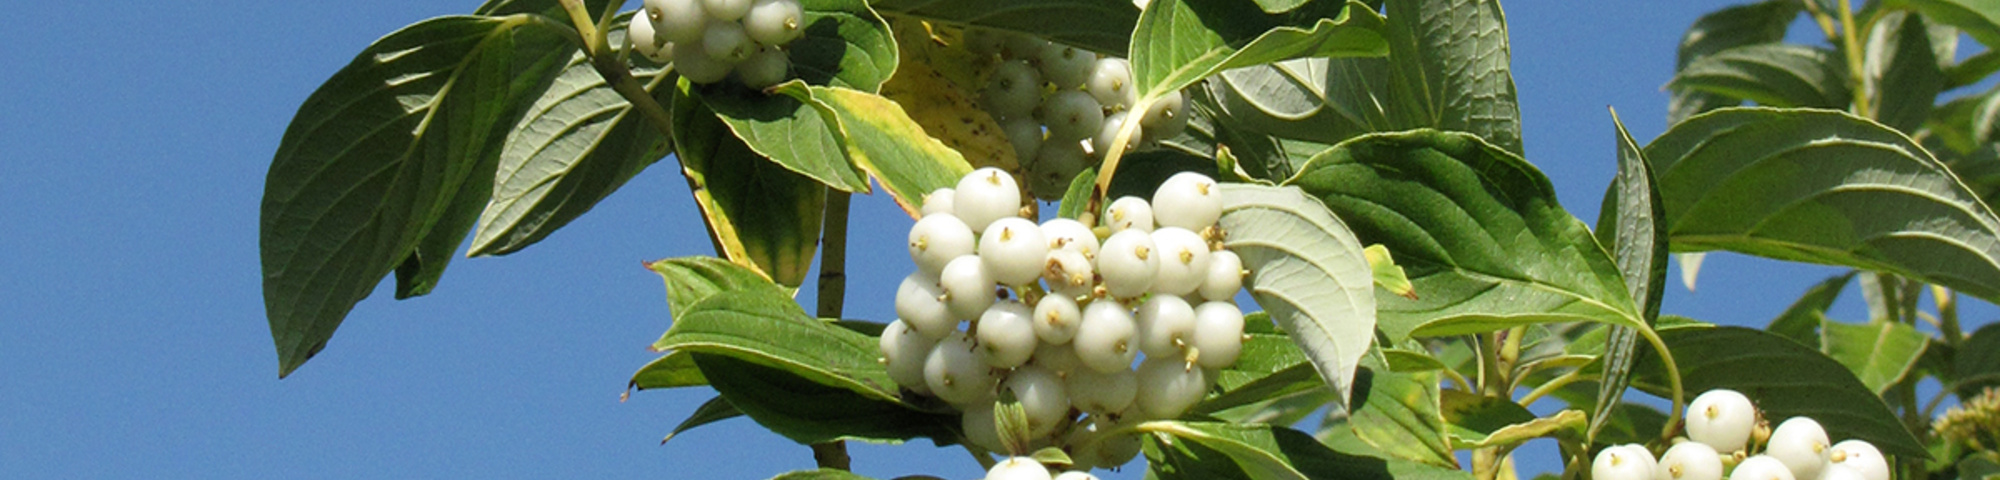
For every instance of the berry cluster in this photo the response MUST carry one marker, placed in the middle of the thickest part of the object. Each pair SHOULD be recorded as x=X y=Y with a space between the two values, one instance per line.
x=1062 y=106
x=708 y=39
x=1024 y=468
x=1057 y=318
x=1724 y=430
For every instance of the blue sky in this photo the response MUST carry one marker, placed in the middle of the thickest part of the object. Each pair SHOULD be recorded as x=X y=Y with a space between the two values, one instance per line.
x=131 y=317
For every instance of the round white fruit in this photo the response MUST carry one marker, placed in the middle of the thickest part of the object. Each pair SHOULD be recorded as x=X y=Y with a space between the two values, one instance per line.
x=1183 y=260
x=1166 y=326
x=955 y=373
x=1065 y=66
x=644 y=41
x=1061 y=359
x=1129 y=213
x=1041 y=395
x=1224 y=278
x=1840 y=472
x=769 y=66
x=678 y=21
x=1075 y=475
x=968 y=289
x=1006 y=334
x=1188 y=200
x=1111 y=83
x=727 y=43
x=1218 y=333
x=1108 y=136
x=1722 y=419
x=920 y=303
x=1068 y=234
x=1166 y=118
x=1056 y=165
x=1172 y=386
x=904 y=352
x=1128 y=263
x=978 y=424
x=1014 y=250
x=985 y=195
x=1622 y=462
x=1102 y=393
x=1801 y=444
x=1107 y=340
x=1069 y=274
x=1056 y=319
x=1072 y=115
x=1025 y=134
x=1689 y=461
x=694 y=64
x=1012 y=90
x=939 y=201
x=1018 y=468
x=775 y=22
x=1862 y=457
x=1761 y=467
x=726 y=10
x=937 y=239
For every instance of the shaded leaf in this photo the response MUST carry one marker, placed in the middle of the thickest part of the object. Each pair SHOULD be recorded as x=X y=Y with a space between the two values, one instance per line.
x=714 y=410
x=1786 y=378
x=1979 y=18
x=1179 y=42
x=807 y=411
x=1729 y=27
x=1401 y=418
x=758 y=214
x=767 y=328
x=385 y=168
x=1824 y=187
x=1206 y=450
x=674 y=370
x=846 y=44
x=1104 y=26
x=1977 y=363
x=1904 y=70
x=1307 y=271
x=1478 y=230
x=1478 y=421
x=1800 y=321
x=1777 y=75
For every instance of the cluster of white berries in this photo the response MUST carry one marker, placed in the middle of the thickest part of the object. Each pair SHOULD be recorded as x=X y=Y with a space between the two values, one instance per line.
x=1024 y=468
x=706 y=40
x=1057 y=318
x=1724 y=430
x=1081 y=99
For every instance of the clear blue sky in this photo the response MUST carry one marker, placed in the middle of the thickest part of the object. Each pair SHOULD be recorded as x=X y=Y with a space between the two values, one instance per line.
x=132 y=328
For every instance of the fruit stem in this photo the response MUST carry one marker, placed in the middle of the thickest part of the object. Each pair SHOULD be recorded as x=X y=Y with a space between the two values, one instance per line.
x=593 y=37
x=1851 y=42
x=832 y=297
x=1947 y=307
x=1673 y=382
x=1109 y=168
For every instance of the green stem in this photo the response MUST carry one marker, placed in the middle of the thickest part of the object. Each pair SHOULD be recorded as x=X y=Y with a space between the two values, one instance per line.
x=593 y=37
x=1553 y=384
x=1824 y=20
x=1850 y=41
x=832 y=297
x=1109 y=169
x=1947 y=306
x=1492 y=381
x=1673 y=382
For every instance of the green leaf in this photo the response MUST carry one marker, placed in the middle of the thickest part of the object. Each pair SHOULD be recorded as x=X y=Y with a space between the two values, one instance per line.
x=552 y=8
x=1051 y=456
x=1269 y=366
x=1261 y=452
x=1777 y=75
x=1478 y=229
x=1308 y=271
x=766 y=327
x=1786 y=378
x=1460 y=49
x=1077 y=198
x=787 y=131
x=809 y=411
x=385 y=168
x=690 y=280
x=1906 y=69
x=1824 y=187
x=1103 y=26
x=758 y=213
x=1401 y=418
x=1388 y=274
x=714 y=410
x=1729 y=27
x=1405 y=361
x=1972 y=70
x=1180 y=42
x=846 y=44
x=1314 y=99
x=674 y=370
x=1010 y=420
x=1800 y=321
x=578 y=143
x=1979 y=18
x=1478 y=421
x=1977 y=363
x=1880 y=353
x=1634 y=227
x=820 y=474
x=883 y=140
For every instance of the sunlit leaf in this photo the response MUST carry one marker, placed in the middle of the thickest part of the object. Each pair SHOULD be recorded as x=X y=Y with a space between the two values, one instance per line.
x=1879 y=353
x=1308 y=271
x=1104 y=26
x=1777 y=75
x=758 y=213
x=1180 y=42
x=1633 y=226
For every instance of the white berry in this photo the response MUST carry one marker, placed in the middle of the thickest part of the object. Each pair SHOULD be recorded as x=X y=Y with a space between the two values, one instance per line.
x=1108 y=136
x=1061 y=358
x=939 y=201
x=1622 y=462
x=1067 y=234
x=968 y=289
x=1056 y=318
x=1056 y=165
x=1102 y=393
x=1129 y=213
x=1840 y=472
x=1111 y=83
x=1012 y=90
x=1072 y=115
x=775 y=22
x=644 y=41
x=1014 y=250
x=1128 y=263
x=1018 y=468
x=726 y=42
x=1006 y=334
x=1862 y=457
x=678 y=21
x=920 y=302
x=1188 y=200
x=1801 y=444
x=1167 y=118
x=985 y=195
x=1065 y=66
x=904 y=352
x=726 y=10
x=955 y=373
x=1075 y=475
x=1218 y=333
x=1689 y=461
x=1041 y=395
x=1761 y=467
x=769 y=66
x=1722 y=419
x=692 y=62
x=978 y=425
x=1025 y=134
x=1069 y=273
x=1107 y=340
x=1224 y=278
x=1166 y=326
x=1183 y=261
x=1172 y=386
x=937 y=239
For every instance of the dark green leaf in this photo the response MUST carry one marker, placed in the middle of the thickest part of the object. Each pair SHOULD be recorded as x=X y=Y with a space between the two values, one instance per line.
x=1777 y=75
x=552 y=8
x=1207 y=450
x=845 y=45
x=1824 y=187
x=807 y=411
x=1880 y=353
x=674 y=370
x=1307 y=270
x=789 y=132
x=1467 y=220
x=1979 y=18
x=1977 y=364
x=1632 y=423
x=1180 y=42
x=577 y=144
x=1730 y=27
x=1405 y=361
x=1972 y=70
x=1401 y=418
x=1477 y=421
x=386 y=166
x=1461 y=47
x=1104 y=26
x=1634 y=227
x=1800 y=322
x=766 y=327
x=1909 y=77
x=714 y=410
x=758 y=213
x=820 y=474
x=1787 y=380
